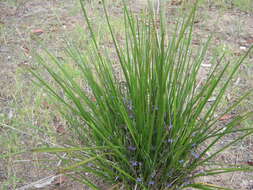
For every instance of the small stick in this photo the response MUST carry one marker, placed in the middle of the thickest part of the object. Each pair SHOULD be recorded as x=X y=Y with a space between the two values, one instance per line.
x=45 y=181
x=158 y=7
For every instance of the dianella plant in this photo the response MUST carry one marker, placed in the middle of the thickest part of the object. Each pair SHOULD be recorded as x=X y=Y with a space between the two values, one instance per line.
x=150 y=125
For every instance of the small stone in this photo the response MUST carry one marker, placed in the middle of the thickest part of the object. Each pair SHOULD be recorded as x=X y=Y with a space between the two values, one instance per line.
x=243 y=48
x=10 y=114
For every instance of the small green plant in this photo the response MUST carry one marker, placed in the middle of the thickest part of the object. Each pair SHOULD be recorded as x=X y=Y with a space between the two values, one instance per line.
x=152 y=125
x=244 y=5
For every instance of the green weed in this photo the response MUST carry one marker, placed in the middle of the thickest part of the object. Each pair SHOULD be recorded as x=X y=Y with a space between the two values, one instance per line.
x=150 y=124
x=245 y=5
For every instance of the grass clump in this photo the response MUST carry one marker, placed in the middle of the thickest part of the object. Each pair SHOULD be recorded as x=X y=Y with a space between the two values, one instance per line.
x=152 y=126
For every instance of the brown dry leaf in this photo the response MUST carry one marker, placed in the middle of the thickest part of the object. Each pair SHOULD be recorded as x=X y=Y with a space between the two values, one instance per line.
x=196 y=42
x=226 y=117
x=26 y=64
x=23 y=64
x=93 y=99
x=60 y=129
x=176 y=2
x=37 y=31
x=60 y=180
x=237 y=53
x=26 y=50
x=58 y=126
x=250 y=163
x=249 y=40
